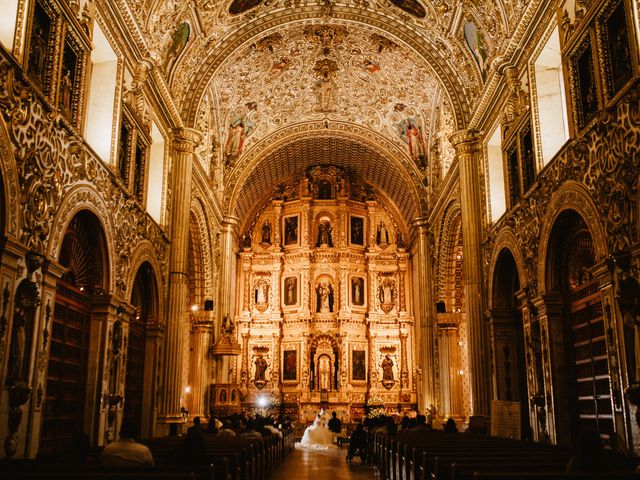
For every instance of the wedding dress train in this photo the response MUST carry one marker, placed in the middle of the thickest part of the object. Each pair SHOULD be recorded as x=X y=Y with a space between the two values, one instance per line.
x=317 y=435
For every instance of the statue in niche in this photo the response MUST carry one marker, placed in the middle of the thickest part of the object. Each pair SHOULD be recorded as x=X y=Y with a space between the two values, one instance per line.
x=382 y=236
x=324 y=297
x=386 y=293
x=266 y=232
x=387 y=369
x=18 y=344
x=324 y=234
x=324 y=366
x=261 y=369
x=324 y=190
x=227 y=325
x=260 y=294
x=246 y=240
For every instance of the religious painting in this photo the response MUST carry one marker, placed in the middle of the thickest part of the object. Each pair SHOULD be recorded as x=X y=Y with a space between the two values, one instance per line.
x=358 y=366
x=68 y=79
x=290 y=366
x=475 y=41
x=178 y=43
x=617 y=48
x=357 y=291
x=584 y=83
x=240 y=6
x=240 y=128
x=357 y=230
x=39 y=45
x=410 y=129
x=290 y=291
x=291 y=230
x=222 y=398
x=412 y=7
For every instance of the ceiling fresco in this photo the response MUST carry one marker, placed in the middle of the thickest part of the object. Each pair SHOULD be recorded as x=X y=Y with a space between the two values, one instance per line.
x=409 y=70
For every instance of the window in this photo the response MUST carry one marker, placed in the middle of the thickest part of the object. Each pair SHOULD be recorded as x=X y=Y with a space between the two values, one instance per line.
x=8 y=23
x=101 y=104
x=496 y=190
x=548 y=90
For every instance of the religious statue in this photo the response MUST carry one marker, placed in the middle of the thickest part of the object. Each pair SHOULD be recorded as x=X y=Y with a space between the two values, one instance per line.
x=382 y=237
x=261 y=368
x=227 y=325
x=324 y=234
x=387 y=369
x=324 y=293
x=261 y=293
x=386 y=293
x=266 y=232
x=246 y=240
x=18 y=344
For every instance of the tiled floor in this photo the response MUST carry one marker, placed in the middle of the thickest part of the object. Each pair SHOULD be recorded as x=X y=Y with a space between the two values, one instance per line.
x=322 y=465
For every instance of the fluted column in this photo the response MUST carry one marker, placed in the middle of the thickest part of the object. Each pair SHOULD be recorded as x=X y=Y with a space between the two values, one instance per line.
x=466 y=143
x=184 y=144
x=424 y=320
x=201 y=330
x=226 y=268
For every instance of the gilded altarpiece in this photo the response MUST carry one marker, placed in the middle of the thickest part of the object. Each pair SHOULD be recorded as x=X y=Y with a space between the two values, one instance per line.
x=325 y=320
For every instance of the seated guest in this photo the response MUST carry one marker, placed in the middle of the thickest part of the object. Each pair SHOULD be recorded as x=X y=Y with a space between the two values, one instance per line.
x=250 y=431
x=126 y=452
x=422 y=424
x=450 y=426
x=335 y=425
x=197 y=427
x=192 y=451
x=358 y=443
x=226 y=430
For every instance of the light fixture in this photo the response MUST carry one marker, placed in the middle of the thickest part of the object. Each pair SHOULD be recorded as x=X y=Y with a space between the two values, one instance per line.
x=194 y=307
x=187 y=389
x=262 y=402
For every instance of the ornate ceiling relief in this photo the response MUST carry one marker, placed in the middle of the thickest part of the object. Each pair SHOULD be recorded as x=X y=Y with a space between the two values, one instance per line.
x=311 y=72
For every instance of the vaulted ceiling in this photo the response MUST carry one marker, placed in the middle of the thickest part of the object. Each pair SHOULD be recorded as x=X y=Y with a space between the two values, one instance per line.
x=378 y=66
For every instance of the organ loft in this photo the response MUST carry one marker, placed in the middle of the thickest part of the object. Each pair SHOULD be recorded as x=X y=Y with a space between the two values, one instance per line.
x=271 y=207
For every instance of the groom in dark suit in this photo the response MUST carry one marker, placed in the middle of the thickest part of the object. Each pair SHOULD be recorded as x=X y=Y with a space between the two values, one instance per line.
x=335 y=425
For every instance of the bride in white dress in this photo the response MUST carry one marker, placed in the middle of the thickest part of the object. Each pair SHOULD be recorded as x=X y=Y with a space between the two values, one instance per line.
x=317 y=435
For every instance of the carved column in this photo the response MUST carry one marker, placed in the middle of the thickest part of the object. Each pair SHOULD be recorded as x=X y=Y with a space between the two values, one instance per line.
x=556 y=393
x=370 y=239
x=184 y=144
x=277 y=223
x=424 y=320
x=467 y=147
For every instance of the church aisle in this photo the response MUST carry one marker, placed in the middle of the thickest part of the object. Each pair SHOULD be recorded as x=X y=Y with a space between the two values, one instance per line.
x=324 y=464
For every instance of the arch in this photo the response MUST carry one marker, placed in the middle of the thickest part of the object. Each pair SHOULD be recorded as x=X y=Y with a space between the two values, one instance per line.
x=388 y=25
x=505 y=240
x=141 y=359
x=146 y=253
x=200 y=230
x=450 y=240
x=10 y=187
x=571 y=196
x=84 y=197
x=75 y=355
x=388 y=165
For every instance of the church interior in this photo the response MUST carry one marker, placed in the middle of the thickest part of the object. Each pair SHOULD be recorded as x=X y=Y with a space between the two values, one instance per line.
x=395 y=207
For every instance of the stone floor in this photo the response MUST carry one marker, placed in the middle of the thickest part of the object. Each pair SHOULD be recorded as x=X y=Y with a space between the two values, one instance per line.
x=322 y=465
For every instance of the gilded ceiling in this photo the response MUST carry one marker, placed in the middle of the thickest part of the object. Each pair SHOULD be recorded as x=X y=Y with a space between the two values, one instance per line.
x=410 y=71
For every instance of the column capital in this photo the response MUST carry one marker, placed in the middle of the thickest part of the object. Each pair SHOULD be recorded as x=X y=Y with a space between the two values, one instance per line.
x=230 y=221
x=421 y=223
x=186 y=139
x=465 y=141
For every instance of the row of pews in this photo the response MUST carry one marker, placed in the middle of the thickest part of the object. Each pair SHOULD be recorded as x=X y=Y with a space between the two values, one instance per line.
x=227 y=458
x=432 y=455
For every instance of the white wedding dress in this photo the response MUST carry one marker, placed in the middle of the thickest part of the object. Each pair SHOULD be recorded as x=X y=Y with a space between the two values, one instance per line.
x=317 y=435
